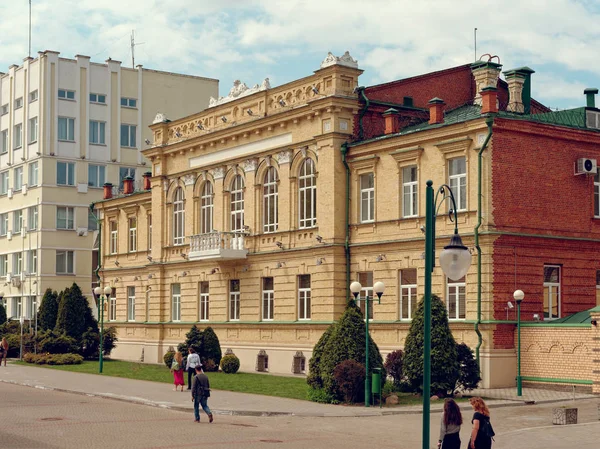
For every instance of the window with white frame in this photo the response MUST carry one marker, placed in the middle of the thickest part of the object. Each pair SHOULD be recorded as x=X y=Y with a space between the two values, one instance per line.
x=96 y=175
x=270 y=201
x=33 y=95
x=4 y=141
x=17 y=263
x=456 y=299
x=98 y=98
x=175 y=302
x=130 y=303
x=65 y=218
x=33 y=130
x=149 y=231
x=408 y=293
x=18 y=181
x=3 y=264
x=128 y=102
x=234 y=300
x=366 y=280
x=3 y=223
x=367 y=198
x=132 y=245
x=206 y=208
x=19 y=103
x=409 y=192
x=18 y=136
x=32 y=261
x=33 y=175
x=307 y=195
x=97 y=132
x=268 y=296
x=597 y=195
x=64 y=262
x=65 y=173
x=237 y=204
x=4 y=109
x=457 y=179
x=17 y=221
x=178 y=217
x=66 y=129
x=65 y=94
x=32 y=218
x=552 y=292
x=31 y=308
x=128 y=135
x=4 y=179
x=113 y=237
x=304 y=295
x=17 y=307
x=204 y=302
x=112 y=305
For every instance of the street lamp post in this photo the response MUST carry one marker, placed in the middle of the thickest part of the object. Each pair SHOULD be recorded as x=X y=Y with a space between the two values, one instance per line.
x=519 y=295
x=378 y=288
x=22 y=321
x=455 y=260
x=98 y=292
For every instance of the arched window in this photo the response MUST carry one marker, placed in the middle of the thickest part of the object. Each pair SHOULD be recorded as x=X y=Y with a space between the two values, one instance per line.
x=206 y=208
x=178 y=217
x=307 y=195
x=270 y=201
x=237 y=204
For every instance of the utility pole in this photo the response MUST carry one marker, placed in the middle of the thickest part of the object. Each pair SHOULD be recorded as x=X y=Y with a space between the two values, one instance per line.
x=133 y=45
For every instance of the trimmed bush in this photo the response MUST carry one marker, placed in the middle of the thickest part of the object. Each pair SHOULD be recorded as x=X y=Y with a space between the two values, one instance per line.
x=53 y=359
x=2 y=314
x=350 y=379
x=444 y=361
x=90 y=344
x=210 y=350
x=314 y=378
x=54 y=342
x=109 y=341
x=48 y=311
x=469 y=374
x=168 y=358
x=393 y=366
x=230 y=364
x=388 y=389
x=321 y=395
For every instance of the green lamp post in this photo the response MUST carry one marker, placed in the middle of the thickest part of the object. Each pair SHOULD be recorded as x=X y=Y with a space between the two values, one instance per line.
x=378 y=288
x=101 y=298
x=519 y=295
x=455 y=260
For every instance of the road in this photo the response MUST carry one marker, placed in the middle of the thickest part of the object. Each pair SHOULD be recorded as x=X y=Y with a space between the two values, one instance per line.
x=33 y=418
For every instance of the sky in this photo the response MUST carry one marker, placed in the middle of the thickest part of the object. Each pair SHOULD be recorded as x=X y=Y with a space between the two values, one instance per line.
x=285 y=40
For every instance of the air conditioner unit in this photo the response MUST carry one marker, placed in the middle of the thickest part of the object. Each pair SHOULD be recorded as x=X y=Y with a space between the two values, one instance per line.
x=586 y=166
x=8 y=277
x=9 y=235
x=23 y=276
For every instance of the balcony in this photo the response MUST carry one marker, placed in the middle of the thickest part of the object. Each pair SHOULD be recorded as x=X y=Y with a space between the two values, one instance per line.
x=218 y=246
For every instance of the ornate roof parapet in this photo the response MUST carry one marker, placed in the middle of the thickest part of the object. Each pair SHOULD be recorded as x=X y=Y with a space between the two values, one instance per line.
x=345 y=60
x=239 y=90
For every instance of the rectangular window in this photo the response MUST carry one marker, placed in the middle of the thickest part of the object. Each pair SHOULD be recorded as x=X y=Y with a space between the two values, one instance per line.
x=4 y=141
x=33 y=175
x=96 y=175
x=65 y=173
x=65 y=94
x=455 y=299
x=17 y=263
x=457 y=170
x=366 y=280
x=64 y=262
x=176 y=302
x=128 y=102
x=132 y=245
x=32 y=261
x=17 y=221
x=598 y=287
x=17 y=307
x=92 y=223
x=596 y=194
x=204 y=301
x=66 y=129
x=31 y=308
x=32 y=218
x=18 y=182
x=112 y=305
x=234 y=300
x=130 y=303
x=19 y=103
x=4 y=179
x=113 y=237
x=367 y=198
x=551 y=292
x=304 y=297
x=128 y=136
x=3 y=264
x=3 y=223
x=65 y=218
x=149 y=232
x=33 y=96
x=125 y=172
x=408 y=293
x=98 y=98
x=4 y=109
x=33 y=130
x=267 y=299
x=97 y=132
x=409 y=192
x=18 y=136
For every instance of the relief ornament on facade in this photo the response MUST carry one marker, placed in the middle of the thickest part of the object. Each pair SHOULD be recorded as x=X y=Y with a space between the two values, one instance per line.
x=239 y=90
x=345 y=60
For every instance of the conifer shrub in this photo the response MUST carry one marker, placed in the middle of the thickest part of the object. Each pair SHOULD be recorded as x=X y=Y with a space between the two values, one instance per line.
x=230 y=364
x=55 y=342
x=168 y=358
x=73 y=313
x=48 y=311
x=193 y=339
x=469 y=374
x=210 y=354
x=314 y=379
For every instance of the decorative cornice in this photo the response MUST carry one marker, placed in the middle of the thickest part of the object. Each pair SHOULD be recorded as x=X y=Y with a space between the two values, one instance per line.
x=250 y=165
x=345 y=60
x=407 y=154
x=460 y=144
x=239 y=90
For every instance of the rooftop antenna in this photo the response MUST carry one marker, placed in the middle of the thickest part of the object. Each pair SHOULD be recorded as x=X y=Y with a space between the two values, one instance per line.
x=133 y=44
x=475 y=39
x=29 y=29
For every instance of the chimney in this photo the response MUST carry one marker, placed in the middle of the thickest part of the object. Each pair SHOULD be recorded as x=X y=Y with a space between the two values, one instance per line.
x=489 y=100
x=128 y=185
x=392 y=121
x=107 y=191
x=436 y=111
x=590 y=96
x=147 y=176
x=519 y=89
x=486 y=74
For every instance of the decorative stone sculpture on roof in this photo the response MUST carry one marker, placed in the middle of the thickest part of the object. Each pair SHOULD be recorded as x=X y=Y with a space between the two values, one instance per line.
x=160 y=118
x=345 y=60
x=239 y=90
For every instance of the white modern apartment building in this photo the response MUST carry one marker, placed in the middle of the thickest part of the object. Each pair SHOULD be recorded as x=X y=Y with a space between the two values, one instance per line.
x=67 y=126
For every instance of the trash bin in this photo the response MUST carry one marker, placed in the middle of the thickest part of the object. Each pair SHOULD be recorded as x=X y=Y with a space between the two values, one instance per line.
x=376 y=381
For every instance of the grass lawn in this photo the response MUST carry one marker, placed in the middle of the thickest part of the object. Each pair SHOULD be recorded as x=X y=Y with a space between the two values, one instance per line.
x=265 y=384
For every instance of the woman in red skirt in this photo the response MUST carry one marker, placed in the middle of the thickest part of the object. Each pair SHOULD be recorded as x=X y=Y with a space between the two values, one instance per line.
x=177 y=370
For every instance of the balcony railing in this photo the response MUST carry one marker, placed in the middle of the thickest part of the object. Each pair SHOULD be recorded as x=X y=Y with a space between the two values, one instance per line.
x=218 y=245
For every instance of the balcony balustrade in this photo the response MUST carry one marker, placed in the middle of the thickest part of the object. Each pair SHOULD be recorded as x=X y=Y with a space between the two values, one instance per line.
x=218 y=245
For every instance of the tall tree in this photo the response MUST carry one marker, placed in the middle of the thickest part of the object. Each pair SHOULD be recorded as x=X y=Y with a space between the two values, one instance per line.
x=48 y=310
x=74 y=313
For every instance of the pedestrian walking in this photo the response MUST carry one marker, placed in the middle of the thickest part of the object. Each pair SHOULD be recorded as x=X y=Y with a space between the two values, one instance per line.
x=3 y=351
x=200 y=394
x=193 y=360
x=450 y=426
x=482 y=432
x=177 y=370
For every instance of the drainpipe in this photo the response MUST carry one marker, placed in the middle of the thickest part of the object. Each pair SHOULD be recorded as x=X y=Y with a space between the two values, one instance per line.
x=97 y=270
x=344 y=151
x=363 y=111
x=489 y=122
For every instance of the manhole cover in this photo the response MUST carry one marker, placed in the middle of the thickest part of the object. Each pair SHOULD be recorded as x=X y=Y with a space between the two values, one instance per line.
x=52 y=419
x=243 y=425
x=271 y=441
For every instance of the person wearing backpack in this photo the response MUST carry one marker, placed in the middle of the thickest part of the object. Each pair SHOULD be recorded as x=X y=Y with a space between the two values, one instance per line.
x=200 y=394
x=482 y=432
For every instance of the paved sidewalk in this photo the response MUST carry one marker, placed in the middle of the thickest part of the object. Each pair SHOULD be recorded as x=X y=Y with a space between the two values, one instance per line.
x=532 y=395
x=221 y=402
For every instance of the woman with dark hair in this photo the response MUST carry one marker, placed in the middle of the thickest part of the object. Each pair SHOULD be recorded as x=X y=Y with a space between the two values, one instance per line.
x=480 y=438
x=450 y=426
